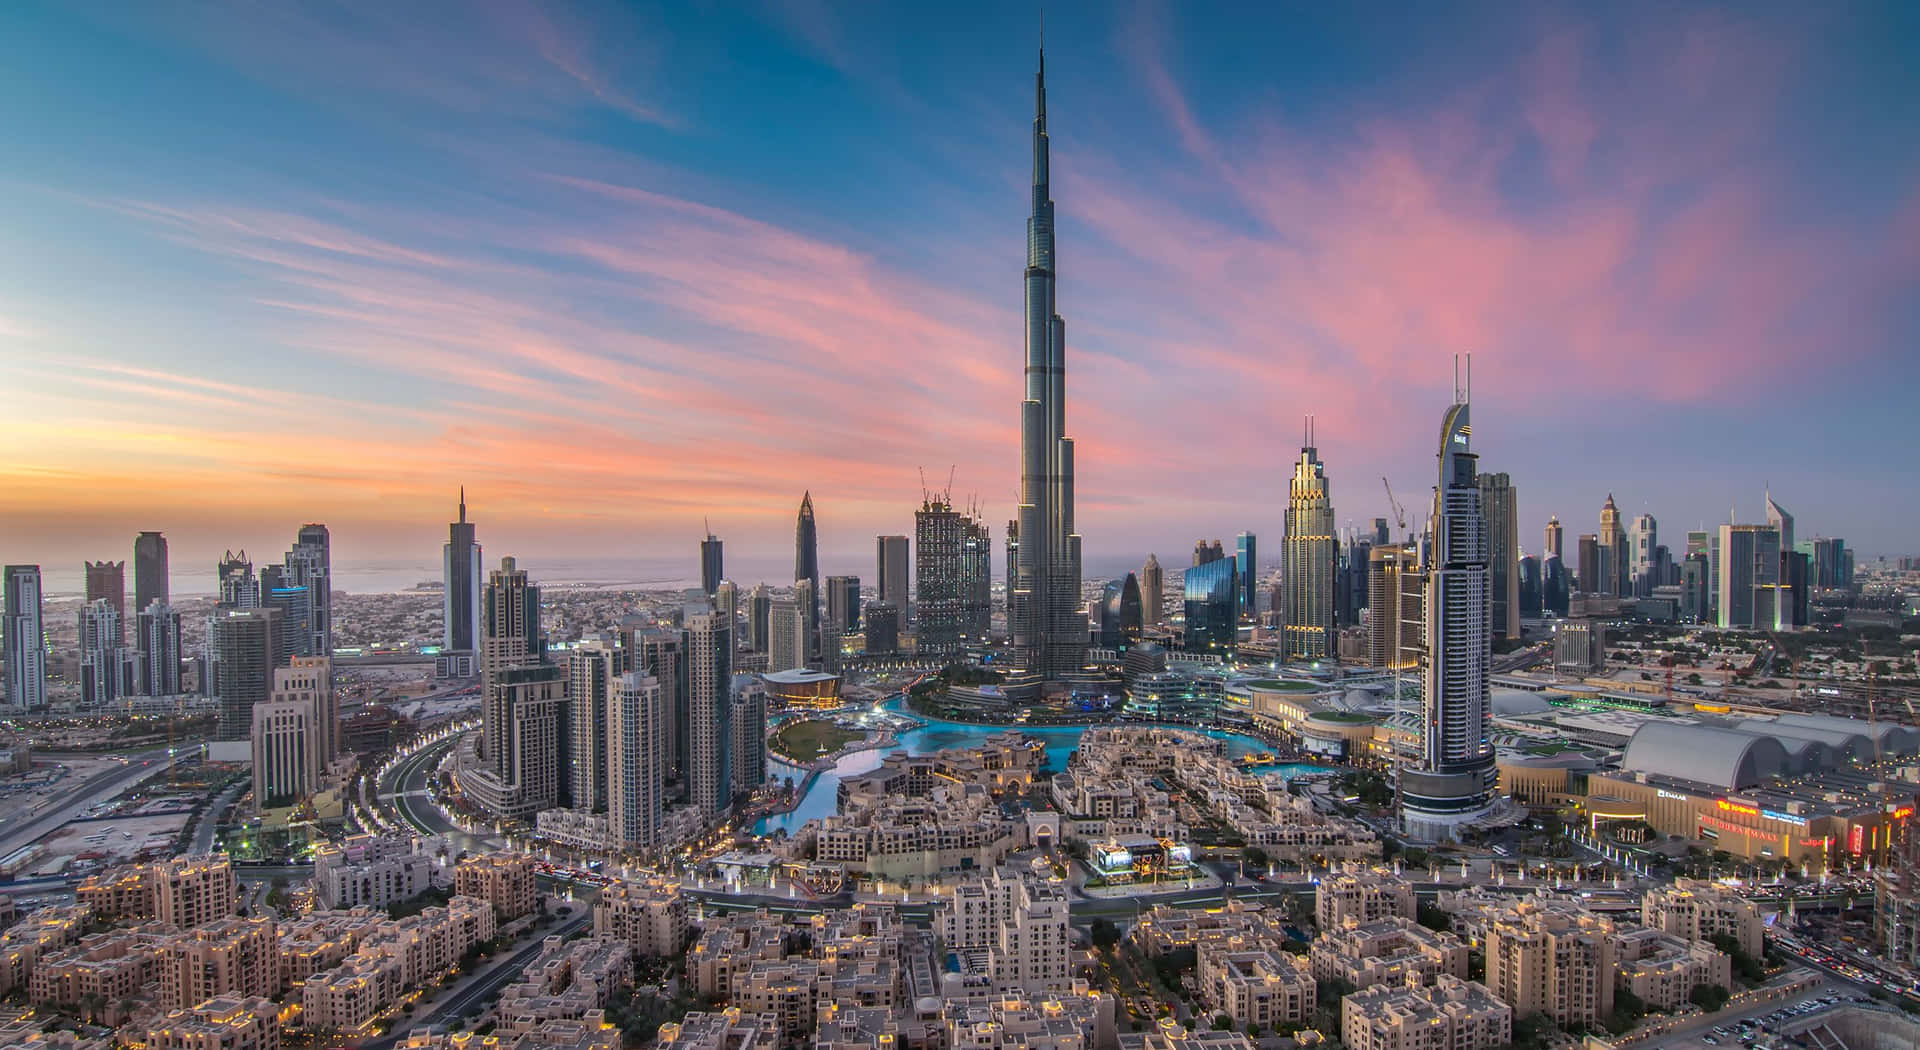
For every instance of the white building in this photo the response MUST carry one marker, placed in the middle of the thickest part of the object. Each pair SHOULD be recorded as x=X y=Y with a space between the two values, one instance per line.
x=637 y=754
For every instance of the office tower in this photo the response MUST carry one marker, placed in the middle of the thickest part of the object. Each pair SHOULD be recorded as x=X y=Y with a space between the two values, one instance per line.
x=310 y=565
x=523 y=699
x=285 y=768
x=1152 y=593
x=108 y=579
x=1395 y=606
x=1554 y=537
x=976 y=581
x=759 y=607
x=637 y=748
x=157 y=641
x=1043 y=594
x=1500 y=502
x=460 y=574
x=149 y=570
x=1696 y=596
x=244 y=647
x=1307 y=562
x=710 y=712
x=883 y=628
x=1592 y=571
x=1643 y=536
x=1781 y=522
x=787 y=630
x=1205 y=553
x=890 y=565
x=1350 y=580
x=938 y=536
x=806 y=564
x=1454 y=783
x=1749 y=575
x=309 y=680
x=662 y=653
x=1380 y=538
x=748 y=759
x=1827 y=557
x=296 y=606
x=726 y=599
x=712 y=566
x=1212 y=591
x=1796 y=569
x=238 y=587
x=510 y=619
x=1120 y=613
x=106 y=664
x=1532 y=597
x=1556 y=589
x=843 y=603
x=594 y=667
x=1612 y=538
x=1246 y=561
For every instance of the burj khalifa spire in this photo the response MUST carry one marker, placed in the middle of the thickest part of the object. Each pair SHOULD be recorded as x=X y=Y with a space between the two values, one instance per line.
x=1049 y=630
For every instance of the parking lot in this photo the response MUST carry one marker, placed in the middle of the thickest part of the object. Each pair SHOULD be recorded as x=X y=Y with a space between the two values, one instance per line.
x=1762 y=1026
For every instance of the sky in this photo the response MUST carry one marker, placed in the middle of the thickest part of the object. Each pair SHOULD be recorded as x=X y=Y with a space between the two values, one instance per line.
x=624 y=269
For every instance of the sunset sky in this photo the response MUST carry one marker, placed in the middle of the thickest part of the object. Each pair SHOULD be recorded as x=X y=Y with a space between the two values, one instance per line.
x=620 y=268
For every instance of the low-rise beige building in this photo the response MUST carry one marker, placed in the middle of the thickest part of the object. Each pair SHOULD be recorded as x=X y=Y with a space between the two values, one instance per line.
x=731 y=1029
x=184 y=891
x=1663 y=970
x=650 y=915
x=232 y=957
x=1364 y=896
x=1259 y=986
x=1451 y=1014
x=104 y=969
x=504 y=880
x=1699 y=911
x=224 y=1023
x=570 y=981
x=394 y=958
x=1547 y=956
x=1393 y=950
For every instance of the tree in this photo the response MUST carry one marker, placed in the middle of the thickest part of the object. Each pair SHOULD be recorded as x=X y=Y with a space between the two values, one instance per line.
x=1223 y=1023
x=1104 y=934
x=1433 y=918
x=1709 y=997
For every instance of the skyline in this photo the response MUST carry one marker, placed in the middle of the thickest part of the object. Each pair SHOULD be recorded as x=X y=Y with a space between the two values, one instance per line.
x=678 y=311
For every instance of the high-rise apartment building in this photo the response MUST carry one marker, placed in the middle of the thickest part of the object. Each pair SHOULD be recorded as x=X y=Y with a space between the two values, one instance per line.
x=1212 y=593
x=637 y=753
x=748 y=757
x=709 y=713
x=806 y=566
x=108 y=580
x=1591 y=566
x=157 y=645
x=244 y=647
x=787 y=635
x=1643 y=556
x=1246 y=562
x=937 y=534
x=976 y=581
x=662 y=653
x=843 y=604
x=1749 y=576
x=1043 y=594
x=1555 y=536
x=523 y=701
x=1152 y=593
x=23 y=632
x=1396 y=607
x=712 y=564
x=594 y=667
x=1501 y=503
x=1350 y=592
x=460 y=599
x=239 y=588
x=890 y=567
x=107 y=666
x=759 y=609
x=1454 y=783
x=285 y=752
x=310 y=565
x=1307 y=562
x=882 y=628
x=1552 y=959
x=149 y=570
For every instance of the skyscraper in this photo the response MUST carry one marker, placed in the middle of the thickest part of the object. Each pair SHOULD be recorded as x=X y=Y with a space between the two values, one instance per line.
x=1043 y=603
x=787 y=635
x=309 y=680
x=1119 y=620
x=1455 y=781
x=944 y=575
x=1591 y=567
x=1152 y=593
x=239 y=588
x=712 y=568
x=843 y=603
x=460 y=601
x=1307 y=562
x=1554 y=538
x=108 y=579
x=662 y=653
x=1612 y=539
x=284 y=766
x=594 y=668
x=1246 y=561
x=23 y=632
x=523 y=700
x=759 y=608
x=1501 y=504
x=244 y=645
x=1396 y=603
x=157 y=642
x=510 y=637
x=806 y=562
x=748 y=757
x=1532 y=596
x=106 y=665
x=637 y=746
x=149 y=570
x=1212 y=592
x=310 y=565
x=976 y=581
x=1643 y=538
x=1781 y=521
x=1380 y=538
x=890 y=566
x=709 y=713
x=1749 y=575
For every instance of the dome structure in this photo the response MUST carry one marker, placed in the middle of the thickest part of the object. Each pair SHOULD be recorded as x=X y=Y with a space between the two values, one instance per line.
x=1728 y=759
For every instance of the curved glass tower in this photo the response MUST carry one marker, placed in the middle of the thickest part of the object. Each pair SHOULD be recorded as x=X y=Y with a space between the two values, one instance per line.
x=1043 y=605
x=1455 y=781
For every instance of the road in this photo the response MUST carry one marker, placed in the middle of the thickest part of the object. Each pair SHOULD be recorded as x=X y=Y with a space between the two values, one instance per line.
x=216 y=813
x=404 y=791
x=478 y=988
x=74 y=802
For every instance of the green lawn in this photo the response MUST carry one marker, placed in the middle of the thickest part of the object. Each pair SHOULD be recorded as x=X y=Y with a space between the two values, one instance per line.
x=806 y=741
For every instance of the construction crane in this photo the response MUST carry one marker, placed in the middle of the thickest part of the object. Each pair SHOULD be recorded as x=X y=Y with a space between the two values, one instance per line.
x=1399 y=512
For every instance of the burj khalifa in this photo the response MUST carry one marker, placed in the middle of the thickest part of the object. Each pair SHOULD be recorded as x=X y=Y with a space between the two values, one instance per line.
x=1043 y=606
